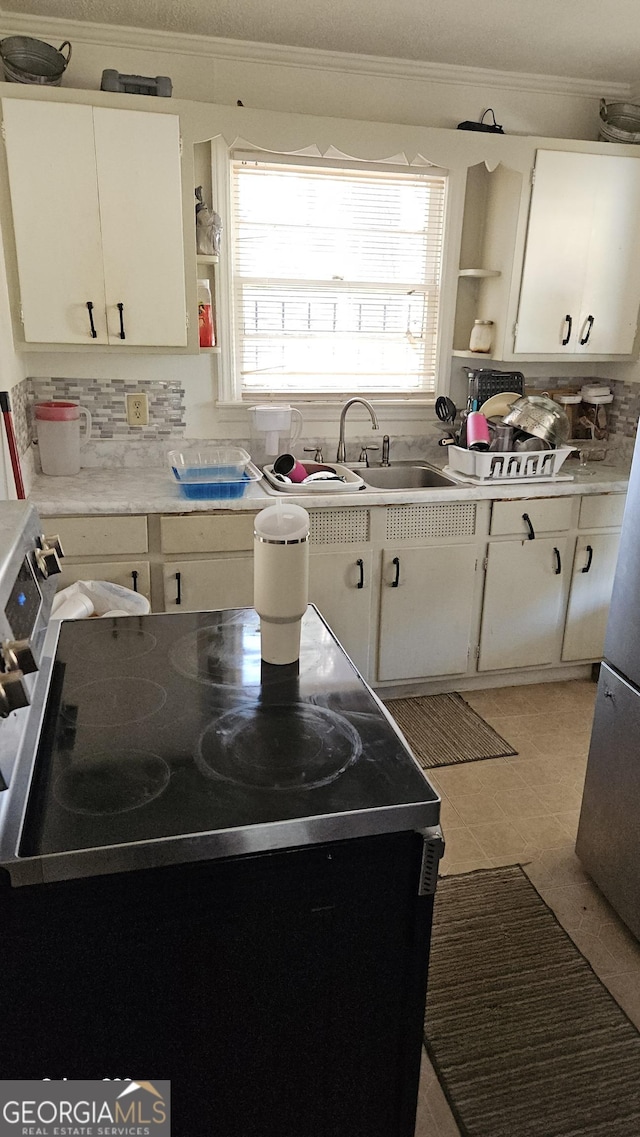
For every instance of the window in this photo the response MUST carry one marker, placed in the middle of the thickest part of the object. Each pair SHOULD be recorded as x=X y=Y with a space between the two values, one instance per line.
x=336 y=277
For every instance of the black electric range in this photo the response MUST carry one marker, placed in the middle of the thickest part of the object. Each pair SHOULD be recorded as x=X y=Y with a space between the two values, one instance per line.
x=166 y=739
x=212 y=871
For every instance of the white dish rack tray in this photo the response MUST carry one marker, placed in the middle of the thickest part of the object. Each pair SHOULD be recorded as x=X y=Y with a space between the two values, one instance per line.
x=503 y=466
x=352 y=481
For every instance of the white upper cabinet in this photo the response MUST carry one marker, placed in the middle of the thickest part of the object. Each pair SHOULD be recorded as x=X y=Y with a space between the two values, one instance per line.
x=580 y=289
x=138 y=163
x=56 y=218
x=97 y=210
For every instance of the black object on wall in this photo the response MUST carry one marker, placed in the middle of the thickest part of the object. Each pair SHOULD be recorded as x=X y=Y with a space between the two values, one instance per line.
x=488 y=127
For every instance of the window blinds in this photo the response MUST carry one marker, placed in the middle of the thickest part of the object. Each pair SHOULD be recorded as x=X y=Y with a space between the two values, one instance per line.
x=336 y=278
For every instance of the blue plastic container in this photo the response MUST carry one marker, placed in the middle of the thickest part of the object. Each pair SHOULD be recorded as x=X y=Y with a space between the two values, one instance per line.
x=221 y=473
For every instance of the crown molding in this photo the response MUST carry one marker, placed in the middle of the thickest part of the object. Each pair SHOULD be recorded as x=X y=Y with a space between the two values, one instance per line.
x=210 y=47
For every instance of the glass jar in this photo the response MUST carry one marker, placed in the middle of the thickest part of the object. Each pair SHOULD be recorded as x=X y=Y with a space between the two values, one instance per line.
x=481 y=336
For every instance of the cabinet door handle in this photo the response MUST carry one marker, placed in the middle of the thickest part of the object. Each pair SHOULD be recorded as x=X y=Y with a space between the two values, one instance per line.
x=396 y=581
x=120 y=308
x=360 y=564
x=589 y=324
x=531 y=535
x=589 y=552
x=134 y=577
x=569 y=323
x=94 y=334
x=558 y=568
x=178 y=588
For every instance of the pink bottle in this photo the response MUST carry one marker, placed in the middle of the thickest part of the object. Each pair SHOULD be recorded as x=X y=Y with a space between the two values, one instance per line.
x=477 y=431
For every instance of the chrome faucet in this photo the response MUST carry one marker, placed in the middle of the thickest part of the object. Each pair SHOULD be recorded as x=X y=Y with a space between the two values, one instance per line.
x=341 y=456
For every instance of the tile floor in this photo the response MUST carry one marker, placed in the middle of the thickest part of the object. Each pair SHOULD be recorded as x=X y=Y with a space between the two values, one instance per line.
x=529 y=805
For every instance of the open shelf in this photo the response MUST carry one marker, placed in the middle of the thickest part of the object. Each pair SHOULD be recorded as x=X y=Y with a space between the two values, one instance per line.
x=472 y=354
x=207 y=259
x=479 y=272
x=209 y=350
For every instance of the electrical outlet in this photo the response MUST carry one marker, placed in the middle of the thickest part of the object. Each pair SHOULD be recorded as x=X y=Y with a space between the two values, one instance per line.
x=137 y=410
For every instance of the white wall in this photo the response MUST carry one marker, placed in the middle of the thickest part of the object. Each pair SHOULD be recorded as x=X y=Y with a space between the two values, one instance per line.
x=12 y=370
x=327 y=83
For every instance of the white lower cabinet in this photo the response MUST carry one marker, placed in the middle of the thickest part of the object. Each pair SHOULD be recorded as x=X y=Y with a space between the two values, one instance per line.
x=426 y=611
x=340 y=587
x=208 y=585
x=402 y=591
x=524 y=596
x=107 y=537
x=129 y=574
x=594 y=567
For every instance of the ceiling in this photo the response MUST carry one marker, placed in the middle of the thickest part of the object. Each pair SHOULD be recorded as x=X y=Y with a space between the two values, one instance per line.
x=581 y=39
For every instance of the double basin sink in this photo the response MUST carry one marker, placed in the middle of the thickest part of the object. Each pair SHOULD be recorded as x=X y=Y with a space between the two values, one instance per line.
x=399 y=476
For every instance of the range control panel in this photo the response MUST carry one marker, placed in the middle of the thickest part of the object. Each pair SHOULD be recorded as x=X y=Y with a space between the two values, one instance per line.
x=25 y=600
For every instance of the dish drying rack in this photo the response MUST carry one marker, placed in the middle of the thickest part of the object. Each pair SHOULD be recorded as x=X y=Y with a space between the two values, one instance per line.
x=352 y=481
x=509 y=466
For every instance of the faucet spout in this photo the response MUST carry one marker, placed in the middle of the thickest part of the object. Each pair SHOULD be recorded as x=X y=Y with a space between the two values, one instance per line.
x=342 y=453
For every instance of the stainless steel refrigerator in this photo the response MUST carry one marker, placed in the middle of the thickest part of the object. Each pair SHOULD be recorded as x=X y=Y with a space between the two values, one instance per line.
x=608 y=842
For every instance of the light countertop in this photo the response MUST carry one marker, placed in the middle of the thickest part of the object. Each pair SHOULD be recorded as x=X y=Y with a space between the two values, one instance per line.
x=152 y=490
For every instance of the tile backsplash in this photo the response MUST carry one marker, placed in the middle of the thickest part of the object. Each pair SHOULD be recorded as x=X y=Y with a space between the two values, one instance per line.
x=105 y=401
x=624 y=411
x=115 y=443
x=19 y=398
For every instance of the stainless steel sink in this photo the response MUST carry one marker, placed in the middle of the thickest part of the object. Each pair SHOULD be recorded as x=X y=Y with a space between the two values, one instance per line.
x=406 y=477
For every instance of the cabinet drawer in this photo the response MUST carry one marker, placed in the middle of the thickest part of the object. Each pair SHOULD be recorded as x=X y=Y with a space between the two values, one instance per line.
x=217 y=533
x=102 y=536
x=602 y=511
x=549 y=515
x=117 y=572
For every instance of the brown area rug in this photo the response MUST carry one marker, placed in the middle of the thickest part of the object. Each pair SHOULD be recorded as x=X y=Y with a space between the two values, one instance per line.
x=443 y=729
x=524 y=1038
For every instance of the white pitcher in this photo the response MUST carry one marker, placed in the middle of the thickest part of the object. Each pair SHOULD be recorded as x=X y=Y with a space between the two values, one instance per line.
x=58 y=425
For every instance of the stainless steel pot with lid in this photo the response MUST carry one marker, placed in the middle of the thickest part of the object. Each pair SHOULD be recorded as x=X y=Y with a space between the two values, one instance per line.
x=541 y=416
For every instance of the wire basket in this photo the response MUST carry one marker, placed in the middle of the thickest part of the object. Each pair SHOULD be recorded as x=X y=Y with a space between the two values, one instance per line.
x=619 y=122
x=490 y=383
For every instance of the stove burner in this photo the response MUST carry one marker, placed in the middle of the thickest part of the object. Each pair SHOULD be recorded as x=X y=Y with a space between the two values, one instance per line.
x=114 y=702
x=228 y=655
x=225 y=653
x=110 y=643
x=283 y=747
x=113 y=782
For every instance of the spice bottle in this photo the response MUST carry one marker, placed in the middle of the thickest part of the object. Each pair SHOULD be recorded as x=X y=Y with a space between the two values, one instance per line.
x=481 y=336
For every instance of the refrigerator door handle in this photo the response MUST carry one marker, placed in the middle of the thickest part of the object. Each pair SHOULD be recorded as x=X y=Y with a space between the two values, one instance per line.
x=432 y=854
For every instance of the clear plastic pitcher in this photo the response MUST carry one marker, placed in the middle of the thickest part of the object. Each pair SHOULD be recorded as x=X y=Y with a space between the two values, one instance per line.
x=274 y=430
x=58 y=426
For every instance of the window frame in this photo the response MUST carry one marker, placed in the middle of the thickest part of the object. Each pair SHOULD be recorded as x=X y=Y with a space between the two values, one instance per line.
x=230 y=389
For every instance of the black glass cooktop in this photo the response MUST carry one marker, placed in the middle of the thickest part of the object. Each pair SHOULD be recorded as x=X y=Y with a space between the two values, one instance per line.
x=159 y=726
